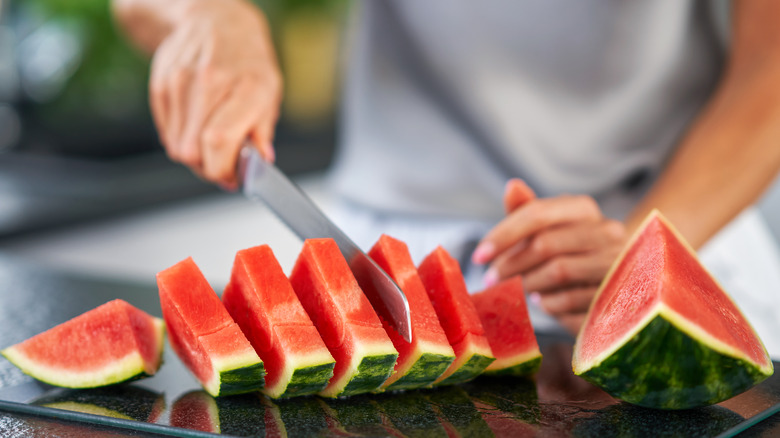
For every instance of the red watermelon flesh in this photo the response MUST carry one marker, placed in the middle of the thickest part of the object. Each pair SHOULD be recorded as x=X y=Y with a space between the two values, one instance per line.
x=504 y=315
x=350 y=327
x=429 y=354
x=109 y=344
x=443 y=280
x=203 y=334
x=660 y=270
x=263 y=303
x=662 y=333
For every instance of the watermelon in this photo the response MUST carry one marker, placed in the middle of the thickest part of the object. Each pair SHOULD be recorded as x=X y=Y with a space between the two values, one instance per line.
x=241 y=415
x=350 y=327
x=423 y=360
x=662 y=333
x=127 y=402
x=261 y=300
x=111 y=343
x=443 y=280
x=203 y=334
x=504 y=317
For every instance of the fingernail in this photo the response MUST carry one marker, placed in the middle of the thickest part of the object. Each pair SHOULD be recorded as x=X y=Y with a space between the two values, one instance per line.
x=535 y=298
x=483 y=253
x=490 y=278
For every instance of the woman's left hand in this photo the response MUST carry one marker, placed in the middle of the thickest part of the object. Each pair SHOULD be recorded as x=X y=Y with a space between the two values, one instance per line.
x=561 y=246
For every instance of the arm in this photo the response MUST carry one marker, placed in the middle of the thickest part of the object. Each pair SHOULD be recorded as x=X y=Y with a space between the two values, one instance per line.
x=732 y=152
x=214 y=79
x=563 y=246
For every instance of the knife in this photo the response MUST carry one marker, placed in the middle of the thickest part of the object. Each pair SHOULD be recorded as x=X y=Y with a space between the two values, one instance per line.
x=264 y=181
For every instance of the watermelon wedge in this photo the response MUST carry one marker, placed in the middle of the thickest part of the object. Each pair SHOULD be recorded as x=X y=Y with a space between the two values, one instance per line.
x=350 y=327
x=111 y=343
x=504 y=317
x=261 y=300
x=203 y=334
x=429 y=354
x=662 y=333
x=443 y=280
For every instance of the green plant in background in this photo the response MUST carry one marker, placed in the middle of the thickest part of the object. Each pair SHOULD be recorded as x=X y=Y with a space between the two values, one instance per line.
x=111 y=79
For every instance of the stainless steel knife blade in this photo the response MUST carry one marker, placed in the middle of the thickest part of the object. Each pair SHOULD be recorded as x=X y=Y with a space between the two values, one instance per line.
x=264 y=181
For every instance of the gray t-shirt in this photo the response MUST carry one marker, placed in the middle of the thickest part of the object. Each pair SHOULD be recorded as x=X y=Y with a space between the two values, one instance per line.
x=445 y=100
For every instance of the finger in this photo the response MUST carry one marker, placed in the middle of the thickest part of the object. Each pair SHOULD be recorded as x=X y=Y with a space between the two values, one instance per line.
x=263 y=135
x=226 y=130
x=159 y=107
x=552 y=242
x=567 y=270
x=532 y=218
x=166 y=59
x=516 y=193
x=178 y=87
x=208 y=92
x=573 y=300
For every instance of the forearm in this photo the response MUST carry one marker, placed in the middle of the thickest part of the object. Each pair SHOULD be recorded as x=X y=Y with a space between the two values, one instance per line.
x=726 y=161
x=148 y=22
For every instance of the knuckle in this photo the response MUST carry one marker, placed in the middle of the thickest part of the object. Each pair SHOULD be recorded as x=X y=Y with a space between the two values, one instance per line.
x=559 y=272
x=541 y=247
x=214 y=138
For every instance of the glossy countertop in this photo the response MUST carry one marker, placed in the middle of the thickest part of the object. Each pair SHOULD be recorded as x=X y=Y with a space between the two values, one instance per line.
x=553 y=403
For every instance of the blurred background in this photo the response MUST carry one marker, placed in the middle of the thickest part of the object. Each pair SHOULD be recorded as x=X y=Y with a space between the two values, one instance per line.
x=84 y=183
x=77 y=140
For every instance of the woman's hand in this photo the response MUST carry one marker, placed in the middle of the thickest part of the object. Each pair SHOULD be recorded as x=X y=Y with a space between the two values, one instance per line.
x=214 y=83
x=562 y=247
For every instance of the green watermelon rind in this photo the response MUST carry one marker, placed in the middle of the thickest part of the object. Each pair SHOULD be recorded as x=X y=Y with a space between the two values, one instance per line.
x=524 y=368
x=425 y=370
x=305 y=380
x=664 y=367
x=87 y=408
x=127 y=369
x=471 y=368
x=238 y=380
x=371 y=374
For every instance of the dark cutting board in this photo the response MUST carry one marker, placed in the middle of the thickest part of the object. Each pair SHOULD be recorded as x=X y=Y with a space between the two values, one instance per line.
x=554 y=403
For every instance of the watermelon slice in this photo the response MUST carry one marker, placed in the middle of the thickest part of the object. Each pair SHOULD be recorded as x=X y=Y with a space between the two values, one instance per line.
x=261 y=300
x=441 y=275
x=111 y=343
x=504 y=316
x=350 y=327
x=203 y=334
x=429 y=354
x=662 y=333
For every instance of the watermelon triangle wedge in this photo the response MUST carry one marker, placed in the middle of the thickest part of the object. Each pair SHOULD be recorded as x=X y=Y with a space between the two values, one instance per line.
x=203 y=334
x=124 y=343
x=423 y=360
x=443 y=280
x=263 y=303
x=662 y=333
x=350 y=327
x=504 y=315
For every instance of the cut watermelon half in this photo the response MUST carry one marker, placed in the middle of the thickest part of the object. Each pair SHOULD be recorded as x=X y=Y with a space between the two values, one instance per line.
x=443 y=280
x=662 y=333
x=429 y=354
x=203 y=334
x=112 y=343
x=261 y=300
x=504 y=317
x=350 y=327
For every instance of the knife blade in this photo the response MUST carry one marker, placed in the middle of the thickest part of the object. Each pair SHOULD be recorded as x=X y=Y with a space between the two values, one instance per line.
x=263 y=181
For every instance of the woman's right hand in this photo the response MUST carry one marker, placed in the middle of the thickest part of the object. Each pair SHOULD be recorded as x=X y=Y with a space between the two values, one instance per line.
x=215 y=82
